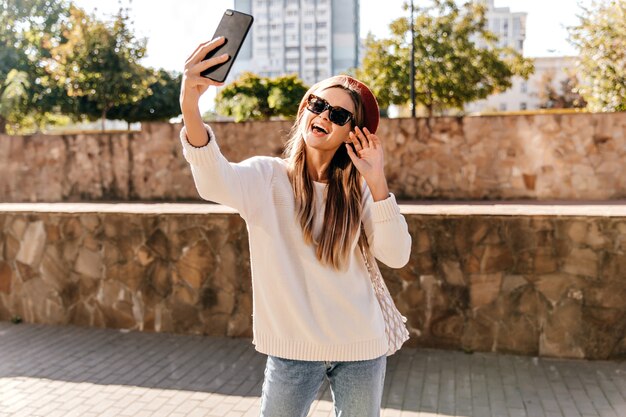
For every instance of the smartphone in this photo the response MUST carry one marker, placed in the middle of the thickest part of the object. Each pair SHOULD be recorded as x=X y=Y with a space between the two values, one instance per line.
x=234 y=26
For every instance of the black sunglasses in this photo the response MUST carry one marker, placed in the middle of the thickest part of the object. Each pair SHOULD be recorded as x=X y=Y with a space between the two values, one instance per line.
x=337 y=115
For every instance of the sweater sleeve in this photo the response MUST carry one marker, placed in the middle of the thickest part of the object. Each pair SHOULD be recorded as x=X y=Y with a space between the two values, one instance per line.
x=386 y=230
x=237 y=185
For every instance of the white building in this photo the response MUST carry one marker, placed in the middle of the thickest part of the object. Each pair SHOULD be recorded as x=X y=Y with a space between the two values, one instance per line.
x=312 y=38
x=508 y=26
x=524 y=94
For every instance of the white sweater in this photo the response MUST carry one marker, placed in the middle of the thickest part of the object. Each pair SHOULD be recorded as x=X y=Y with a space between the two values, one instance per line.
x=302 y=309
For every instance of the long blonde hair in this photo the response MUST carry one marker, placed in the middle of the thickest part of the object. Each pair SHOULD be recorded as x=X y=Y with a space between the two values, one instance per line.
x=342 y=213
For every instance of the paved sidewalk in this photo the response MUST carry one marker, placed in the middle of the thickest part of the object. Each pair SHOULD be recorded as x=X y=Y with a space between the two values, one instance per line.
x=56 y=371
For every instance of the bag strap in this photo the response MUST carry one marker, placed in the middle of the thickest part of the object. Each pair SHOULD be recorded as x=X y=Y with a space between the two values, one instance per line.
x=366 y=256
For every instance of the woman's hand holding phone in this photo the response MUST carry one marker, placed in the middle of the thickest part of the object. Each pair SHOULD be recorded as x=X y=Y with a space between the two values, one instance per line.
x=194 y=85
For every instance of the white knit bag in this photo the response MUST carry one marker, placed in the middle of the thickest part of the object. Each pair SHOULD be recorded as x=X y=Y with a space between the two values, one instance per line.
x=395 y=327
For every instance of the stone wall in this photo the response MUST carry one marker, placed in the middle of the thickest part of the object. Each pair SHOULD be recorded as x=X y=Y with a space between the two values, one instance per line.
x=171 y=273
x=534 y=285
x=555 y=156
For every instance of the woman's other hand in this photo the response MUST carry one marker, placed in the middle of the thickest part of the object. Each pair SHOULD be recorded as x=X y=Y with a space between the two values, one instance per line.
x=368 y=157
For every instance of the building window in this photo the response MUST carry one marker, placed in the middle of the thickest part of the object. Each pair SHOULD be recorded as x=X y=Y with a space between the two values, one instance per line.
x=321 y=25
x=320 y=61
x=496 y=25
x=524 y=87
x=523 y=106
x=502 y=107
x=315 y=48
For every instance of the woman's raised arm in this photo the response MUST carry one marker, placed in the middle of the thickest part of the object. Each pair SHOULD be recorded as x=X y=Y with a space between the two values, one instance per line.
x=194 y=85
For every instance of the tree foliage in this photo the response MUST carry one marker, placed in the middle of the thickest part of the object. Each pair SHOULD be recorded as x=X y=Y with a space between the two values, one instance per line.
x=451 y=67
x=27 y=30
x=161 y=104
x=601 y=39
x=57 y=62
x=13 y=95
x=244 y=98
x=251 y=97
x=568 y=96
x=99 y=63
x=285 y=94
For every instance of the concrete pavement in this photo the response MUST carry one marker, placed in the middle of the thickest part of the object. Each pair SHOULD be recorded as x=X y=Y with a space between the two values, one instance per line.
x=56 y=371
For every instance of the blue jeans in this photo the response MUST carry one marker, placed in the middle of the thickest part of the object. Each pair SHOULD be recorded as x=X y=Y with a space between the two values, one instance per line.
x=290 y=386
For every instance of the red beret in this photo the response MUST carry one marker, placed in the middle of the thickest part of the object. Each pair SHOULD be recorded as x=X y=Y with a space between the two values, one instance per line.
x=370 y=105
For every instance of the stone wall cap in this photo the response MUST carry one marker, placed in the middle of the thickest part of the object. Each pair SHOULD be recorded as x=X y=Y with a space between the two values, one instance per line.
x=138 y=208
x=614 y=208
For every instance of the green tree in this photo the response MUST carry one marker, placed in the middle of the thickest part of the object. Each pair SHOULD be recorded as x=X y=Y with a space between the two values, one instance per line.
x=99 y=64
x=161 y=104
x=13 y=96
x=568 y=96
x=251 y=97
x=285 y=93
x=244 y=99
x=451 y=67
x=28 y=28
x=601 y=39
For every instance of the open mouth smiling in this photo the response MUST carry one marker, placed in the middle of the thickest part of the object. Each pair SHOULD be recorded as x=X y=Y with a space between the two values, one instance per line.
x=318 y=128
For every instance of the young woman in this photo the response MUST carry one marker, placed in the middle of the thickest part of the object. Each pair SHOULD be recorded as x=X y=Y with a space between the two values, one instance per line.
x=315 y=313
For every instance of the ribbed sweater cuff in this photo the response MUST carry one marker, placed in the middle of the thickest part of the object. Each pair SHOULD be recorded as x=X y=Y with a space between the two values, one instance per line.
x=385 y=210
x=289 y=349
x=202 y=155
